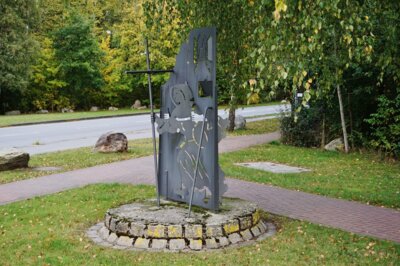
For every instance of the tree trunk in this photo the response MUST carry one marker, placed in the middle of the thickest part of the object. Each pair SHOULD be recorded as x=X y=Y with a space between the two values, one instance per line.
x=323 y=132
x=346 y=144
x=339 y=93
x=350 y=118
x=231 y=125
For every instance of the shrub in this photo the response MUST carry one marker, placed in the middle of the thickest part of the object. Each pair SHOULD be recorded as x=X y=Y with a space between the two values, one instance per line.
x=385 y=126
x=303 y=131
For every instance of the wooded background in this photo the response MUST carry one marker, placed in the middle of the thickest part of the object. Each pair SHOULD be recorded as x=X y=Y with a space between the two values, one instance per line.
x=343 y=55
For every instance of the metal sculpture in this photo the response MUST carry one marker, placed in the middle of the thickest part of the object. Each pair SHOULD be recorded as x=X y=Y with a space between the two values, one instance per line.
x=189 y=126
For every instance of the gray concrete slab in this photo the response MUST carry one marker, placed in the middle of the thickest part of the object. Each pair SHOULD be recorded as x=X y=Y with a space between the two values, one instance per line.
x=275 y=168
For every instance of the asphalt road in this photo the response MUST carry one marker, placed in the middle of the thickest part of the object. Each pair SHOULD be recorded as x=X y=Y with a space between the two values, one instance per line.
x=43 y=138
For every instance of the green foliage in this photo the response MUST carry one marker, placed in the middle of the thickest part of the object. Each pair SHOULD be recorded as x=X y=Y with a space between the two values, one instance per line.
x=385 y=124
x=319 y=47
x=385 y=16
x=79 y=57
x=52 y=15
x=266 y=49
x=17 y=47
x=302 y=130
x=45 y=80
x=309 y=45
x=235 y=22
x=111 y=72
x=124 y=50
x=253 y=97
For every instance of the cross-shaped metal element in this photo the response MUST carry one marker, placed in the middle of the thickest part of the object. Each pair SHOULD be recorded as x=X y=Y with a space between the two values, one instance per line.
x=149 y=71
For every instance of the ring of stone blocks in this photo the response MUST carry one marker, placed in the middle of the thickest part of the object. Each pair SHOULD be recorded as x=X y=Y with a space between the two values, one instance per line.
x=182 y=236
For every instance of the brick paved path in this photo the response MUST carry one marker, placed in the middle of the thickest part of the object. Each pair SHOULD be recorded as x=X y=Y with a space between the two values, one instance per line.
x=354 y=217
x=350 y=216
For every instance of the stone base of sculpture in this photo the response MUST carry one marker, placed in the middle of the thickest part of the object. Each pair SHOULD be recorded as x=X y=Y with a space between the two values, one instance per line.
x=144 y=226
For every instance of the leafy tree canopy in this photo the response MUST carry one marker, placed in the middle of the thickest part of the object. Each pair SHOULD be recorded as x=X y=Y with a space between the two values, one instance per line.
x=17 y=48
x=79 y=57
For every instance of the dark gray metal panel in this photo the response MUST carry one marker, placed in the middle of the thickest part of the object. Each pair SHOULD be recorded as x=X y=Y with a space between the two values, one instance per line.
x=191 y=87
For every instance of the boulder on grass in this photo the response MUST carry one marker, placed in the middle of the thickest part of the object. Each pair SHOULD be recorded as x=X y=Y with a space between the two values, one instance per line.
x=112 y=108
x=94 y=109
x=137 y=104
x=12 y=159
x=42 y=112
x=334 y=145
x=111 y=142
x=67 y=110
x=240 y=122
x=14 y=112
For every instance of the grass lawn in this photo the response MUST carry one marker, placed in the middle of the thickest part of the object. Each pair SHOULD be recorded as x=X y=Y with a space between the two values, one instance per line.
x=226 y=107
x=51 y=230
x=257 y=127
x=76 y=159
x=360 y=177
x=7 y=120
